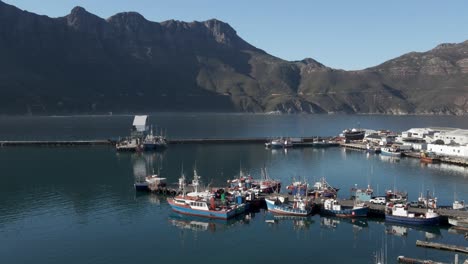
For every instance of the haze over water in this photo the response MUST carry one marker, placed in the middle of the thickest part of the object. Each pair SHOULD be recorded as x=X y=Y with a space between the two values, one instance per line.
x=78 y=205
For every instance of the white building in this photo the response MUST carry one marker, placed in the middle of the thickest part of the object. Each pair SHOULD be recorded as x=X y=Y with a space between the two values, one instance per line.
x=426 y=134
x=449 y=150
x=455 y=136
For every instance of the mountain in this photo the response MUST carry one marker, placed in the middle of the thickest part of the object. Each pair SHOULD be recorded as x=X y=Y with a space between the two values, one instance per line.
x=83 y=64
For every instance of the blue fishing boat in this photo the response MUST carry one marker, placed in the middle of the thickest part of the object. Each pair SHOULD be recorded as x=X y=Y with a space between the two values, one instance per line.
x=204 y=204
x=333 y=208
x=391 y=151
x=363 y=195
x=198 y=207
x=280 y=205
x=398 y=213
x=154 y=142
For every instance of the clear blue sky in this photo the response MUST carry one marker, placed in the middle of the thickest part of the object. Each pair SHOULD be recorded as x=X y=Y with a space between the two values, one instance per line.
x=341 y=34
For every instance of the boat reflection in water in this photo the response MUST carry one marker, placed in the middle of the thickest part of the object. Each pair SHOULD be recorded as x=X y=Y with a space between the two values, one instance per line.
x=389 y=159
x=298 y=222
x=198 y=224
x=333 y=222
x=430 y=232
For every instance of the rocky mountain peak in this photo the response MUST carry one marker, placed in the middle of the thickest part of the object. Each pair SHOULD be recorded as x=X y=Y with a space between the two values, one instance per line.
x=83 y=20
x=132 y=19
x=222 y=32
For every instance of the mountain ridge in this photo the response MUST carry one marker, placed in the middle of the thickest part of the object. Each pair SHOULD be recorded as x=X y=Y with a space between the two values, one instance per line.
x=81 y=64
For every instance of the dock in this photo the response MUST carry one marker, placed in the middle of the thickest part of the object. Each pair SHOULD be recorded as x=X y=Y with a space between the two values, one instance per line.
x=304 y=142
x=441 y=246
x=413 y=154
x=403 y=259
x=378 y=210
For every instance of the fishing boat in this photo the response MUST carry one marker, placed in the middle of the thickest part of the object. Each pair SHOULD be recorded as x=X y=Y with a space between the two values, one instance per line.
x=279 y=143
x=459 y=222
x=150 y=182
x=398 y=213
x=152 y=142
x=429 y=157
x=458 y=205
x=266 y=184
x=298 y=187
x=396 y=196
x=373 y=149
x=333 y=208
x=391 y=151
x=131 y=144
x=204 y=205
x=280 y=205
x=363 y=195
x=323 y=189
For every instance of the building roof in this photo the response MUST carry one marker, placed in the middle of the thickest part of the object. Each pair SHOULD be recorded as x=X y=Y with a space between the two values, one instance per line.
x=139 y=122
x=457 y=132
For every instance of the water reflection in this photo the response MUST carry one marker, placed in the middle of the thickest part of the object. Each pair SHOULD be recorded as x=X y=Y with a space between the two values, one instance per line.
x=199 y=224
x=389 y=159
x=298 y=222
x=333 y=222
x=430 y=232
x=146 y=163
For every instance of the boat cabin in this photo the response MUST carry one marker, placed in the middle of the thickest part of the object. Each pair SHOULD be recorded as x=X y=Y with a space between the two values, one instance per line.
x=199 y=205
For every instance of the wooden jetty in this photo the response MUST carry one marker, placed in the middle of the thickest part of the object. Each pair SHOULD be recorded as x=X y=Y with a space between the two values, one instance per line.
x=358 y=146
x=402 y=259
x=441 y=246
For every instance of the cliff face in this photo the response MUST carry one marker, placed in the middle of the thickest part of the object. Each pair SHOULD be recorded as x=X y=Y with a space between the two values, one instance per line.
x=81 y=63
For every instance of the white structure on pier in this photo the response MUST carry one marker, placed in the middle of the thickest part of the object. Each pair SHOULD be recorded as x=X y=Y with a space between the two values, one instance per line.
x=139 y=123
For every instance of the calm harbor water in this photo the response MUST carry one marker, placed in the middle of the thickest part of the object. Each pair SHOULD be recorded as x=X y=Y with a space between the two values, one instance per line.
x=78 y=205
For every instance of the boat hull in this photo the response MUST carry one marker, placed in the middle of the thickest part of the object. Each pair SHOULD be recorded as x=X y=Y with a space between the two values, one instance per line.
x=347 y=212
x=222 y=214
x=390 y=154
x=463 y=223
x=153 y=146
x=430 y=160
x=412 y=220
x=286 y=210
x=358 y=135
x=141 y=187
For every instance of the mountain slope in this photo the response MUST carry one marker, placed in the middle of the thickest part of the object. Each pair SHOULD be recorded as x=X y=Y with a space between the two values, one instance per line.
x=82 y=63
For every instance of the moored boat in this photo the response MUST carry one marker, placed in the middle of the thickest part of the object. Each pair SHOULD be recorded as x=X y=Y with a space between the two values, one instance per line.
x=150 y=183
x=429 y=157
x=298 y=207
x=132 y=144
x=204 y=204
x=266 y=184
x=391 y=151
x=459 y=222
x=458 y=205
x=298 y=187
x=198 y=207
x=279 y=143
x=333 y=208
x=363 y=195
x=398 y=213
x=323 y=189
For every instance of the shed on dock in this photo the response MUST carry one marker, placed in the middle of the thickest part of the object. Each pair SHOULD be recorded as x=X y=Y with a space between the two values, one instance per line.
x=139 y=123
